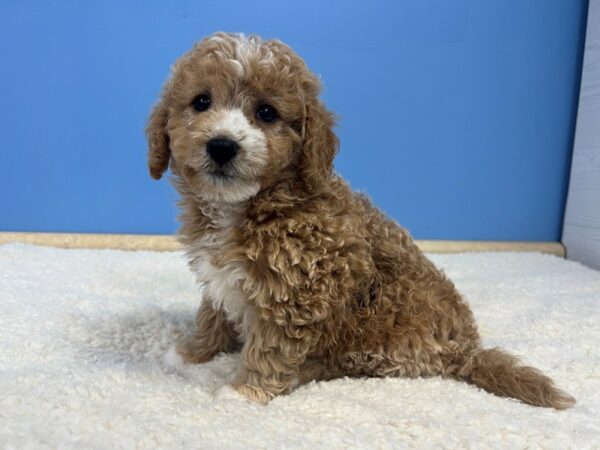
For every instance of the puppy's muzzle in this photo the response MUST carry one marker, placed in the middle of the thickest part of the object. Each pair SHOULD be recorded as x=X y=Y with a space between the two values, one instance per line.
x=221 y=150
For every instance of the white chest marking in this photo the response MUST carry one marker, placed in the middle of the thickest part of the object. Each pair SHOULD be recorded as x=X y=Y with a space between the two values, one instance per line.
x=222 y=283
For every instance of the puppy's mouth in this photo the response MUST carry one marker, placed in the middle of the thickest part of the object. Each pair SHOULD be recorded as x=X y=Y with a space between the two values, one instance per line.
x=220 y=174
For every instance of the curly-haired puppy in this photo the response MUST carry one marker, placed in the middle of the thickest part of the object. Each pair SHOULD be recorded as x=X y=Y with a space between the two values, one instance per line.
x=307 y=276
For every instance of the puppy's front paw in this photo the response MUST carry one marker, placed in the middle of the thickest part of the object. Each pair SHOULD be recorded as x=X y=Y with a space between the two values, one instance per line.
x=253 y=393
x=194 y=351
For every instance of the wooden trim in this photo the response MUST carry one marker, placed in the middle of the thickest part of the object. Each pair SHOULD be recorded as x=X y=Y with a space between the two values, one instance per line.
x=168 y=242
x=83 y=240
x=553 y=248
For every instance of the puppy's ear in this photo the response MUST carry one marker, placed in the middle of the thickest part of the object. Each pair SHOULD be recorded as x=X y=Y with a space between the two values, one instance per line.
x=159 y=152
x=319 y=146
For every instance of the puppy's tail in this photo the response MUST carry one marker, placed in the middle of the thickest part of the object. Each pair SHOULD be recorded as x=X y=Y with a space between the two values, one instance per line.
x=500 y=373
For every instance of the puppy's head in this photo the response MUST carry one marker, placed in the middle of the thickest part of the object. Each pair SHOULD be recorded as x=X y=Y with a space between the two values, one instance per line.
x=237 y=115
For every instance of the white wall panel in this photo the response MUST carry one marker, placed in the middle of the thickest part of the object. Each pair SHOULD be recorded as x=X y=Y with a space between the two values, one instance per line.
x=581 y=232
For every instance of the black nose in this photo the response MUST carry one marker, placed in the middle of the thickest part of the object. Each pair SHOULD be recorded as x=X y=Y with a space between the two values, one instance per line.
x=221 y=149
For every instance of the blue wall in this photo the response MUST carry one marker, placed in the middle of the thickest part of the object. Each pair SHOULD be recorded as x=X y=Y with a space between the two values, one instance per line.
x=456 y=116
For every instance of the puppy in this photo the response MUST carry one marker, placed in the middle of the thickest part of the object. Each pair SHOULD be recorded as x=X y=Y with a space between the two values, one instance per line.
x=308 y=277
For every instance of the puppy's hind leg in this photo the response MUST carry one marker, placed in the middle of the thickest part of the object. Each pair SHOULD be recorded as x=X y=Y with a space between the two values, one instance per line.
x=213 y=334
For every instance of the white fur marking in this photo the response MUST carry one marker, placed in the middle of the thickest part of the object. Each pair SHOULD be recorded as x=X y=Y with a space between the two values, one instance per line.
x=252 y=159
x=252 y=140
x=246 y=48
x=238 y=67
x=222 y=285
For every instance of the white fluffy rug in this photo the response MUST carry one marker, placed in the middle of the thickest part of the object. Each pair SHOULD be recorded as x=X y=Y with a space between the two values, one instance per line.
x=83 y=334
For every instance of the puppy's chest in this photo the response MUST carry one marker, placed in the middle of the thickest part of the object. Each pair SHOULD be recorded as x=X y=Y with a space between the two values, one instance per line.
x=222 y=281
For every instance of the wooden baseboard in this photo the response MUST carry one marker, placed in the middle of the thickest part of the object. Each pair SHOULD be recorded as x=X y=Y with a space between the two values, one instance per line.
x=168 y=242
x=84 y=240
x=553 y=248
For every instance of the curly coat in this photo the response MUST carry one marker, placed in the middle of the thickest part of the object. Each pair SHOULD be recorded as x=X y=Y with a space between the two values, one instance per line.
x=307 y=276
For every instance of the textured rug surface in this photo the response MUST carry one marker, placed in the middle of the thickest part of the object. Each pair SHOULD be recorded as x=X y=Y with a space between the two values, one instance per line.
x=83 y=334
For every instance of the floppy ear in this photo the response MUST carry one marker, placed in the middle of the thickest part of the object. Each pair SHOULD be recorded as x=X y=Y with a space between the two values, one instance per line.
x=159 y=152
x=320 y=144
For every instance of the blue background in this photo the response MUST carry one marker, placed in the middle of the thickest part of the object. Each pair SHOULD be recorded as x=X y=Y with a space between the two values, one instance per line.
x=457 y=117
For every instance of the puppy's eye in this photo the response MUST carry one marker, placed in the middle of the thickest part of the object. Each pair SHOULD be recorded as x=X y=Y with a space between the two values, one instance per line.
x=266 y=113
x=201 y=102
